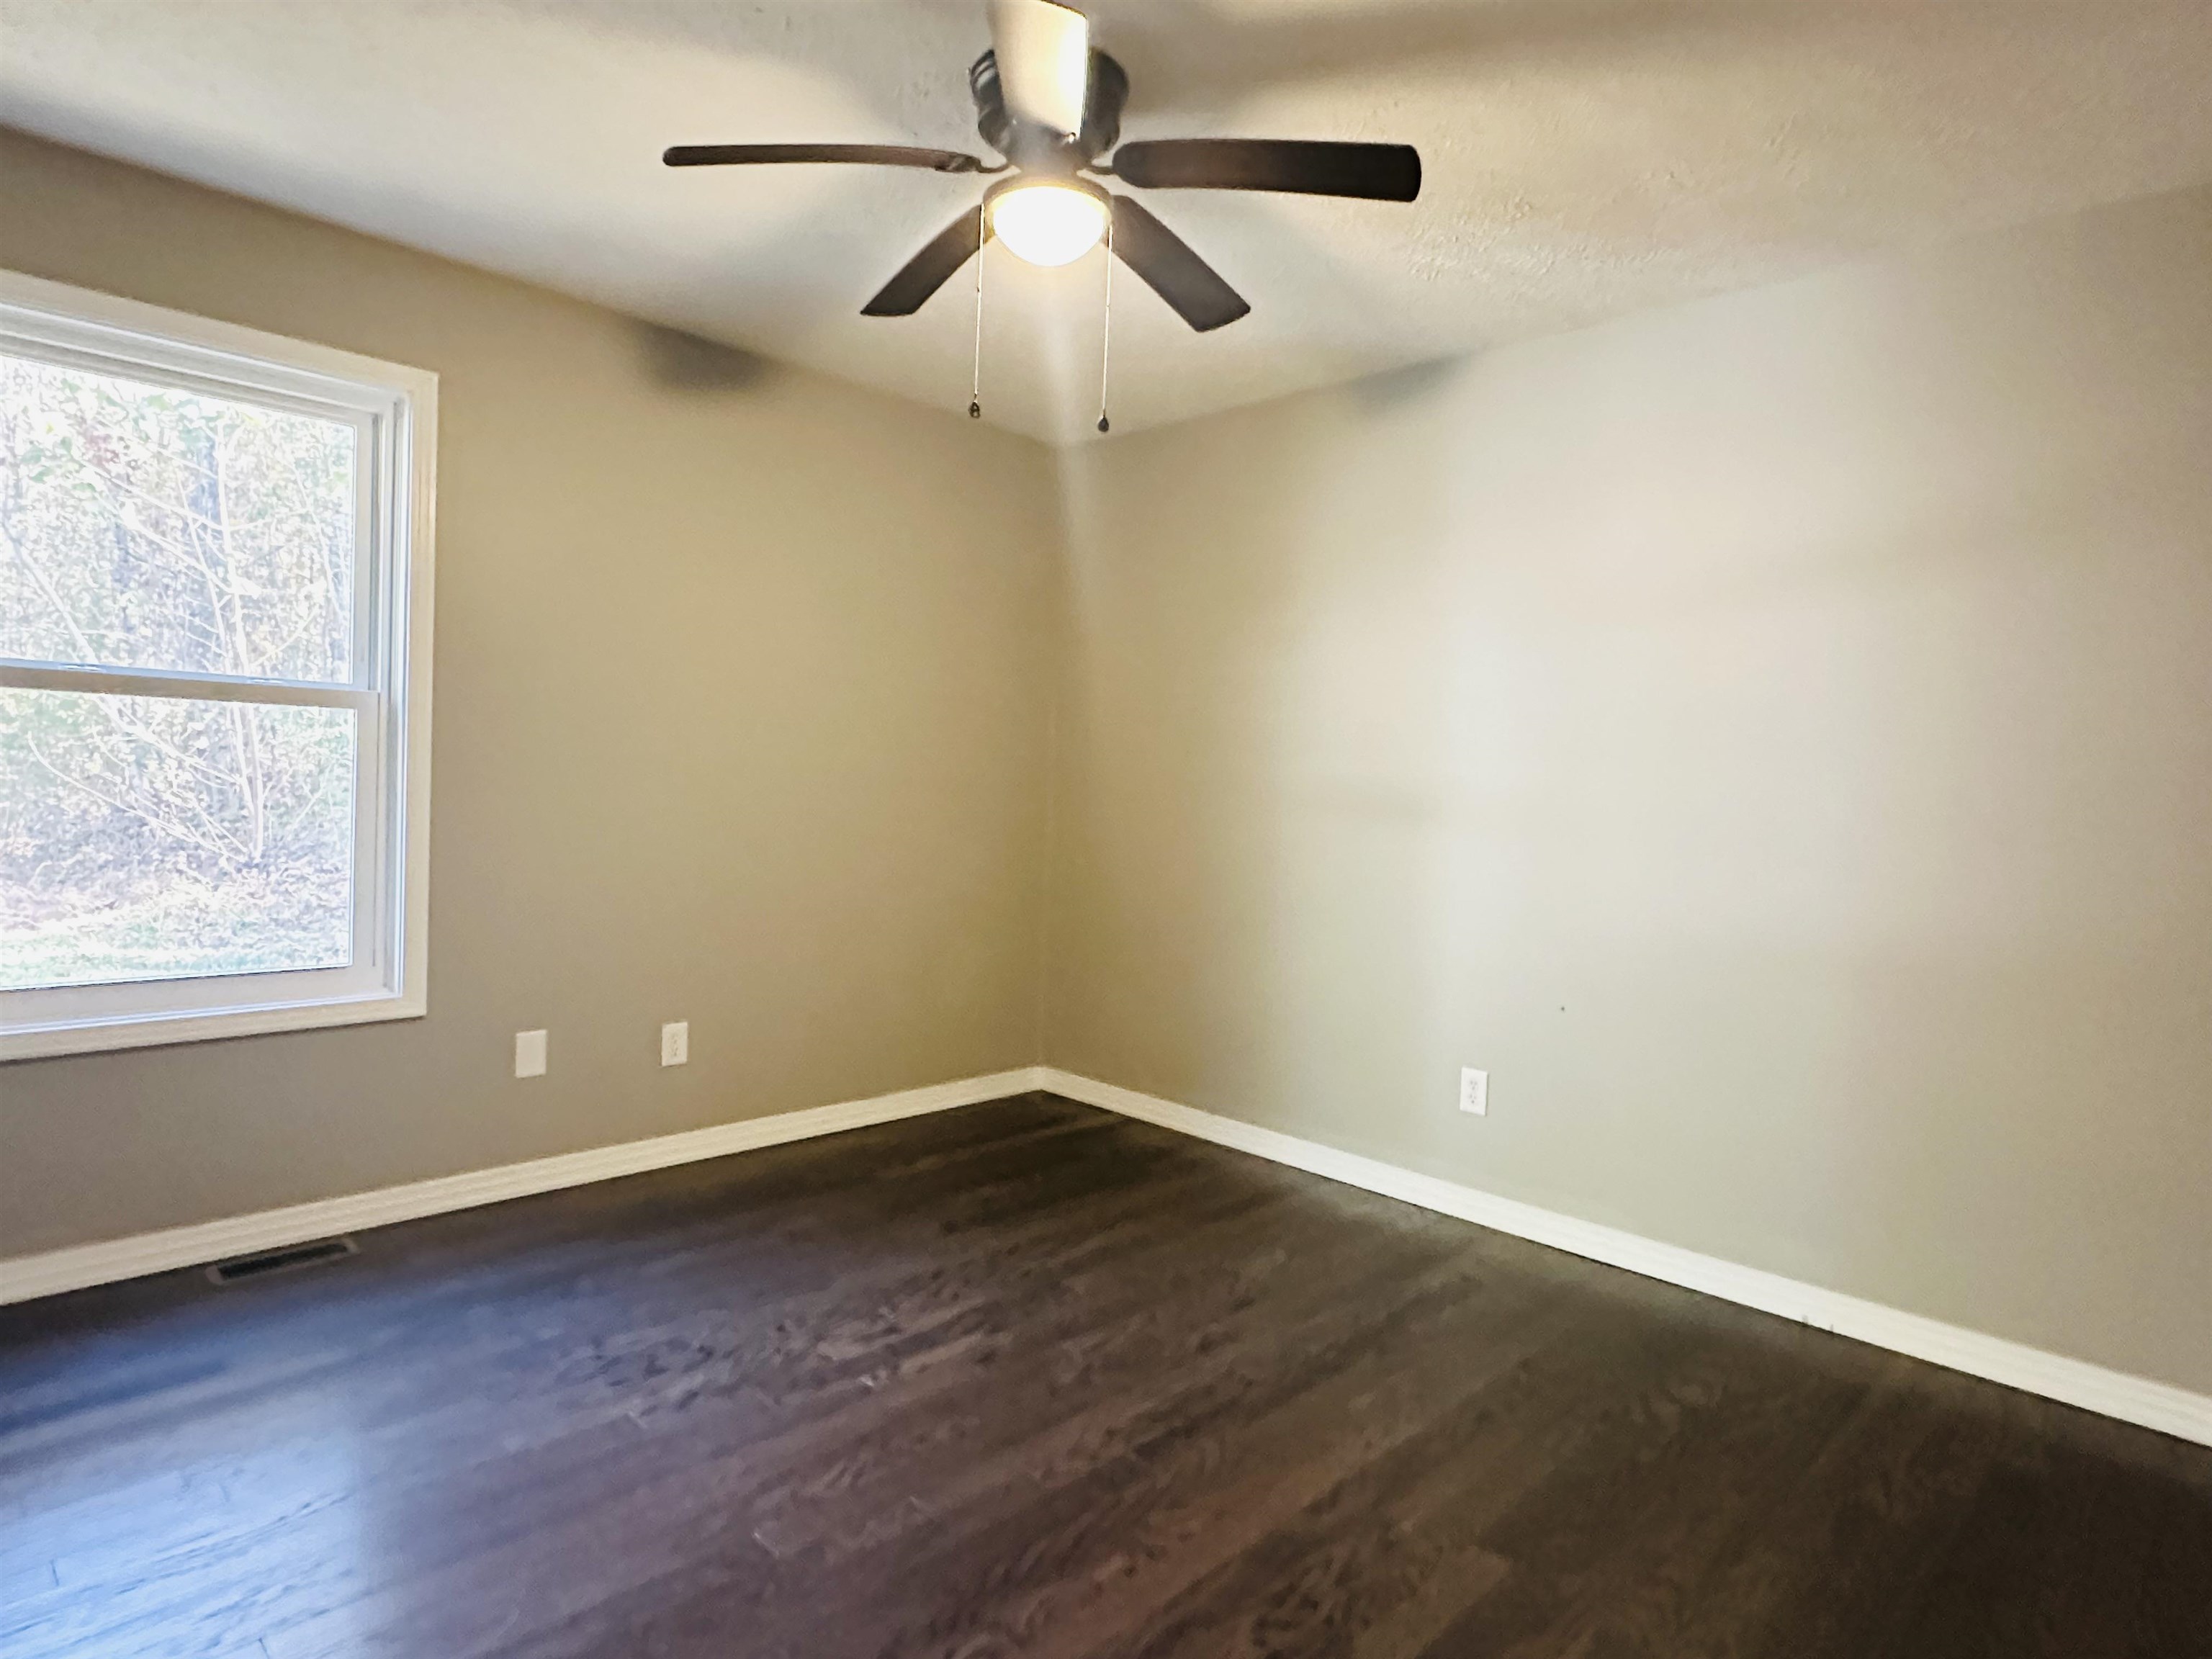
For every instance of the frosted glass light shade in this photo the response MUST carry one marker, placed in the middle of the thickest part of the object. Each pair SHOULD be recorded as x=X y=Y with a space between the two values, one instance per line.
x=1048 y=224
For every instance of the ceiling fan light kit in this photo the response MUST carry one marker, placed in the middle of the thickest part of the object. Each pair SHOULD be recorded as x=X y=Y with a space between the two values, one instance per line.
x=1047 y=222
x=1051 y=106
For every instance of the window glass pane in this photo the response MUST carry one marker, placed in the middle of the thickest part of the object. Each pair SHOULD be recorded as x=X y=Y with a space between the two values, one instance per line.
x=156 y=838
x=142 y=527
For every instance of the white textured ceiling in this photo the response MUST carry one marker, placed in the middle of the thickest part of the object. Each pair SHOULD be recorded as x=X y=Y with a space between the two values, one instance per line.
x=1581 y=159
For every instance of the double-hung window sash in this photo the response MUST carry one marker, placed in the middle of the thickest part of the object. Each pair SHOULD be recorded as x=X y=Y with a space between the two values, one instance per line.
x=215 y=617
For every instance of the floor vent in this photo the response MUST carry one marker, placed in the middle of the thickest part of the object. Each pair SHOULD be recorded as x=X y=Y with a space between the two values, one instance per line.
x=279 y=1261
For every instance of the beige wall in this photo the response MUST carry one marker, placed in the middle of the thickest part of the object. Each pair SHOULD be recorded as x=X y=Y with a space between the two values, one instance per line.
x=737 y=722
x=1773 y=737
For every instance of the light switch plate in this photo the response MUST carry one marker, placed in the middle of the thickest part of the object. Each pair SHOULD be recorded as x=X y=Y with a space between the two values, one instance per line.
x=530 y=1054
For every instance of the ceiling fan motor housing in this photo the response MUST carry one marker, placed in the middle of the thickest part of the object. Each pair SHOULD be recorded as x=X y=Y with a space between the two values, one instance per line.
x=1038 y=149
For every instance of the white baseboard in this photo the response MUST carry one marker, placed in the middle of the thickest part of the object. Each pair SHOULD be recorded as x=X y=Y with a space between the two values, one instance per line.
x=2113 y=1393
x=24 y=1277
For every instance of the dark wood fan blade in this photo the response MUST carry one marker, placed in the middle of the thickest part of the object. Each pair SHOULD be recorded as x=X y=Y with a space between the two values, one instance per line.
x=1379 y=172
x=1174 y=272
x=879 y=155
x=928 y=270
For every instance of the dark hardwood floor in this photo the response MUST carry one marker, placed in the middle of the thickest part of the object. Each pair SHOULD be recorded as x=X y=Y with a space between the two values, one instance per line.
x=1030 y=1379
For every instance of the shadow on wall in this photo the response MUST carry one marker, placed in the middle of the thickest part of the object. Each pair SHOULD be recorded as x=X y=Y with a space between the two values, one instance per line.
x=1771 y=736
x=677 y=362
x=1250 y=669
x=1410 y=383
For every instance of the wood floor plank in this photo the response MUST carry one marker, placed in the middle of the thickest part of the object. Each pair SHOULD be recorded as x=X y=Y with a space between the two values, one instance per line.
x=1024 y=1378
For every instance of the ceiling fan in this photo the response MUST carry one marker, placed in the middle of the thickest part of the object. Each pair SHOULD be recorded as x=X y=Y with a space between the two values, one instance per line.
x=1052 y=105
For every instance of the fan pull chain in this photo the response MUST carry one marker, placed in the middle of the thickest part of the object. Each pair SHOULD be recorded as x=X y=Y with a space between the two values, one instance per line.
x=1106 y=327
x=975 y=384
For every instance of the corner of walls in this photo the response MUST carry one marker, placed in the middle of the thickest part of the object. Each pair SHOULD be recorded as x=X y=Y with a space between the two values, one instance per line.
x=1071 y=464
x=1765 y=733
x=737 y=666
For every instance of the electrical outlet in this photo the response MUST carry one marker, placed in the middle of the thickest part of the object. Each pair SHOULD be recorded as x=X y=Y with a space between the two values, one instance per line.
x=676 y=1042
x=1474 y=1091
x=530 y=1054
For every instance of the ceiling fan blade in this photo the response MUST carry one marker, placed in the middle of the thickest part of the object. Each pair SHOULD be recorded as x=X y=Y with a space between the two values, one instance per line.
x=1175 y=271
x=929 y=270
x=1380 y=173
x=881 y=155
x=1043 y=53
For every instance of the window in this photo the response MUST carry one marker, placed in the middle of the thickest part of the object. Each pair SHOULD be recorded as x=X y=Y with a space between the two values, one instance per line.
x=214 y=677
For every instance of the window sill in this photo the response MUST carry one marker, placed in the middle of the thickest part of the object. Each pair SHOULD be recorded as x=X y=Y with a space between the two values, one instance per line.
x=154 y=1031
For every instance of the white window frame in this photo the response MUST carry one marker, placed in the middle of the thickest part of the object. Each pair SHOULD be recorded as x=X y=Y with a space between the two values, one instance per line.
x=395 y=409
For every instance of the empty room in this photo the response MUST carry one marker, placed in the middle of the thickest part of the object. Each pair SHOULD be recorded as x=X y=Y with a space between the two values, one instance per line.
x=1155 y=829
